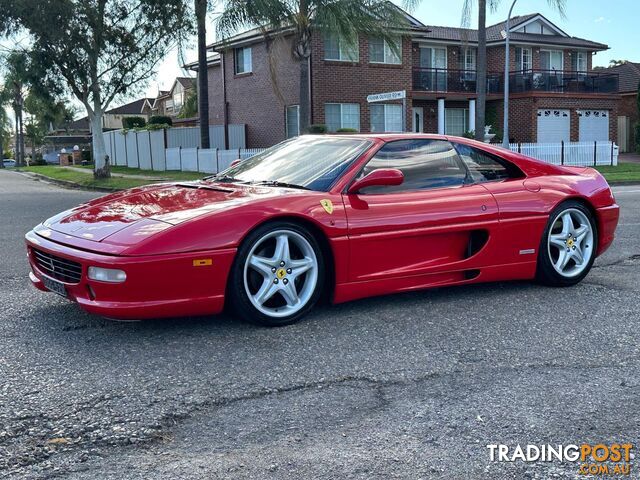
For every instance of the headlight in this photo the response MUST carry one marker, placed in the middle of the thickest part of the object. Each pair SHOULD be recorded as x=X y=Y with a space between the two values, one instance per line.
x=107 y=275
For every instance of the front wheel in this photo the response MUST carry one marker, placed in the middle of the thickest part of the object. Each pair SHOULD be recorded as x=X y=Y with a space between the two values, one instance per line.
x=568 y=246
x=277 y=276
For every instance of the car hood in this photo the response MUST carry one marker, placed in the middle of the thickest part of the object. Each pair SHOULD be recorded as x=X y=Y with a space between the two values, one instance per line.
x=151 y=209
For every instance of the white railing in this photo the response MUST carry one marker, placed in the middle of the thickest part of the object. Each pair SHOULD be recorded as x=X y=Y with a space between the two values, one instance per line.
x=582 y=154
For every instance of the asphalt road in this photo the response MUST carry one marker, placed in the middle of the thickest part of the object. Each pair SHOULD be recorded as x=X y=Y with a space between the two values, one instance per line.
x=405 y=386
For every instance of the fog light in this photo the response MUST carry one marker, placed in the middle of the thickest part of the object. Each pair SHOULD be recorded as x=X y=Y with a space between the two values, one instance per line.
x=107 y=275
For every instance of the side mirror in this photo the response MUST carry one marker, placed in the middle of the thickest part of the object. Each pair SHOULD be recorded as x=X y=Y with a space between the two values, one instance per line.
x=378 y=178
x=235 y=162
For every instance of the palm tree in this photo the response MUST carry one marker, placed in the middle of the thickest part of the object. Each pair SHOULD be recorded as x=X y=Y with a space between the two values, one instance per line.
x=481 y=74
x=346 y=19
x=203 y=79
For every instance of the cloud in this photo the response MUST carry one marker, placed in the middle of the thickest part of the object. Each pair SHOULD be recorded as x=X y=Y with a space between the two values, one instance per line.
x=599 y=20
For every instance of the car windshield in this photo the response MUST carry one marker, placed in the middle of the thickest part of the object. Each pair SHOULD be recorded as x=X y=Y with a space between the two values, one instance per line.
x=311 y=162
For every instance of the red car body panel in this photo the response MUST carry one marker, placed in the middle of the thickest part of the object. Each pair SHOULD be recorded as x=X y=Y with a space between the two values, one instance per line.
x=177 y=242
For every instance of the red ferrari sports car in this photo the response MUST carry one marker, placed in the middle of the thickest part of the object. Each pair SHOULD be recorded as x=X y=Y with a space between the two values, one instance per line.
x=342 y=216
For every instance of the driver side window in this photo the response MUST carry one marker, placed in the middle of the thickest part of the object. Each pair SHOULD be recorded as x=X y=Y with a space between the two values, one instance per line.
x=425 y=164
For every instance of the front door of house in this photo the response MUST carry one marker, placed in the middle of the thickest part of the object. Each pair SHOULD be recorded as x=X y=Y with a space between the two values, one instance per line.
x=418 y=120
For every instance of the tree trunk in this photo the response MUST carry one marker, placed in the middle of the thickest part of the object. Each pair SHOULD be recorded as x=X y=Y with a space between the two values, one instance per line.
x=101 y=161
x=481 y=84
x=203 y=74
x=304 y=95
x=23 y=153
x=17 y=130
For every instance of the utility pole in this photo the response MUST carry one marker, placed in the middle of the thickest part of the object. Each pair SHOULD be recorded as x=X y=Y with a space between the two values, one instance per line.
x=505 y=128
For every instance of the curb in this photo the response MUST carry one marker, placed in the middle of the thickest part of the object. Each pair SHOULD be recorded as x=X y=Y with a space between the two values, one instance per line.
x=67 y=184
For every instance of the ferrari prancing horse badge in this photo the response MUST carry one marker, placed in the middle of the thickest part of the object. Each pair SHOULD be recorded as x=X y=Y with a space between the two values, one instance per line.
x=327 y=205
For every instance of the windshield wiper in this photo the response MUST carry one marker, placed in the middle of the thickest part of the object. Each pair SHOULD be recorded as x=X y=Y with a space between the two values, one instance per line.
x=220 y=178
x=276 y=183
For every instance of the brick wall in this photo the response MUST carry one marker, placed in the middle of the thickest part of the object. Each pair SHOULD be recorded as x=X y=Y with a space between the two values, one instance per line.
x=216 y=108
x=351 y=82
x=253 y=98
x=628 y=107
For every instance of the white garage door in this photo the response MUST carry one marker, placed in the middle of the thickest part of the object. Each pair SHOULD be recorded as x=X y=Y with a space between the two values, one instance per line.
x=553 y=126
x=594 y=125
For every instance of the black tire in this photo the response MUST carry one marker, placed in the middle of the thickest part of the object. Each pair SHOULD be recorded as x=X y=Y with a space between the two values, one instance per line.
x=546 y=273
x=238 y=297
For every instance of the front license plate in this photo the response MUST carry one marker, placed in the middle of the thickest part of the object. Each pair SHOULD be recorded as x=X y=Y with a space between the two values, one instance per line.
x=54 y=286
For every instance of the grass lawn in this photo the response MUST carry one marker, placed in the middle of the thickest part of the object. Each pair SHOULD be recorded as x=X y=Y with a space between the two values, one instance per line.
x=169 y=174
x=624 y=172
x=85 y=179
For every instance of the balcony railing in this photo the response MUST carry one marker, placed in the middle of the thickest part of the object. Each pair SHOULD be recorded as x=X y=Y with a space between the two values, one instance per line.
x=464 y=81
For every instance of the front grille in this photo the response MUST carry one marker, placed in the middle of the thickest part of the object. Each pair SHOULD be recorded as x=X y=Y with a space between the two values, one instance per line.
x=56 y=267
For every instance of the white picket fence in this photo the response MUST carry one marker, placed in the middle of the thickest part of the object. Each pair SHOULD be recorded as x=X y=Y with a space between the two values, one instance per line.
x=582 y=154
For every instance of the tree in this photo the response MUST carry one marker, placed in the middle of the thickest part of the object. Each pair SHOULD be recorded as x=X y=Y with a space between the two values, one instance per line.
x=346 y=19
x=481 y=61
x=15 y=88
x=615 y=63
x=190 y=109
x=203 y=77
x=102 y=49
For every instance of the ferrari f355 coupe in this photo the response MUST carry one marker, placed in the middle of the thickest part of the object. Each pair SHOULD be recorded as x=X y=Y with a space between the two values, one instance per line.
x=335 y=216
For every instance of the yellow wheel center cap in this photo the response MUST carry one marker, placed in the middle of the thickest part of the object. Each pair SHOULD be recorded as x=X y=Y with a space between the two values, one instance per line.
x=281 y=273
x=570 y=242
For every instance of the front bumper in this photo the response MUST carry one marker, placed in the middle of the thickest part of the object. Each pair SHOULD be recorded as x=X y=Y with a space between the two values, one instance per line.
x=156 y=286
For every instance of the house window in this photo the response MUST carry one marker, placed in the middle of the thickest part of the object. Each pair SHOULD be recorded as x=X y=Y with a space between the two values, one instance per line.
x=243 y=60
x=293 y=121
x=342 y=115
x=579 y=62
x=386 y=118
x=456 y=121
x=551 y=60
x=380 y=51
x=336 y=48
x=467 y=63
x=523 y=59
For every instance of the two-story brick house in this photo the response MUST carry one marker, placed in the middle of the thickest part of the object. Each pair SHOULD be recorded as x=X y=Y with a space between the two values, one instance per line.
x=554 y=93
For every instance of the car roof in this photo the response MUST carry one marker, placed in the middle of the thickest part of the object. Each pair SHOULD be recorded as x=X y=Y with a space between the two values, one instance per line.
x=388 y=137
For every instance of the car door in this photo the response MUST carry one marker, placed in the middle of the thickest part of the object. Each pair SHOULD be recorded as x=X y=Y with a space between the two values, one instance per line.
x=523 y=207
x=433 y=222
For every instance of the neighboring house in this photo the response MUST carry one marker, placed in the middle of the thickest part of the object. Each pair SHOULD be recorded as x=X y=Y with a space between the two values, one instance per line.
x=555 y=95
x=628 y=117
x=112 y=119
x=169 y=102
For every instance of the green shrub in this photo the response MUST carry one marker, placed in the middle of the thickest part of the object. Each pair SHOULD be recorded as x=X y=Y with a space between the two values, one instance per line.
x=133 y=122
x=86 y=156
x=317 y=128
x=638 y=137
x=157 y=126
x=469 y=134
x=346 y=130
x=38 y=160
x=160 y=120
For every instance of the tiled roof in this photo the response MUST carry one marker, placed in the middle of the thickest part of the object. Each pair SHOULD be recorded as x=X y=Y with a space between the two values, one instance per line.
x=494 y=34
x=629 y=74
x=187 y=82
x=129 y=108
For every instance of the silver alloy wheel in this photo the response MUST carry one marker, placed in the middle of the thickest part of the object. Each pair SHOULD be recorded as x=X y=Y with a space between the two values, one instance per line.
x=570 y=243
x=286 y=278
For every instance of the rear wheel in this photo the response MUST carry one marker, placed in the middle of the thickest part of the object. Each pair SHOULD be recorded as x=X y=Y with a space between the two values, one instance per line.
x=277 y=276
x=568 y=246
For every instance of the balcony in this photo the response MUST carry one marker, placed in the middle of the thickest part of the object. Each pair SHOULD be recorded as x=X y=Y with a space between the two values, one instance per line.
x=442 y=80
